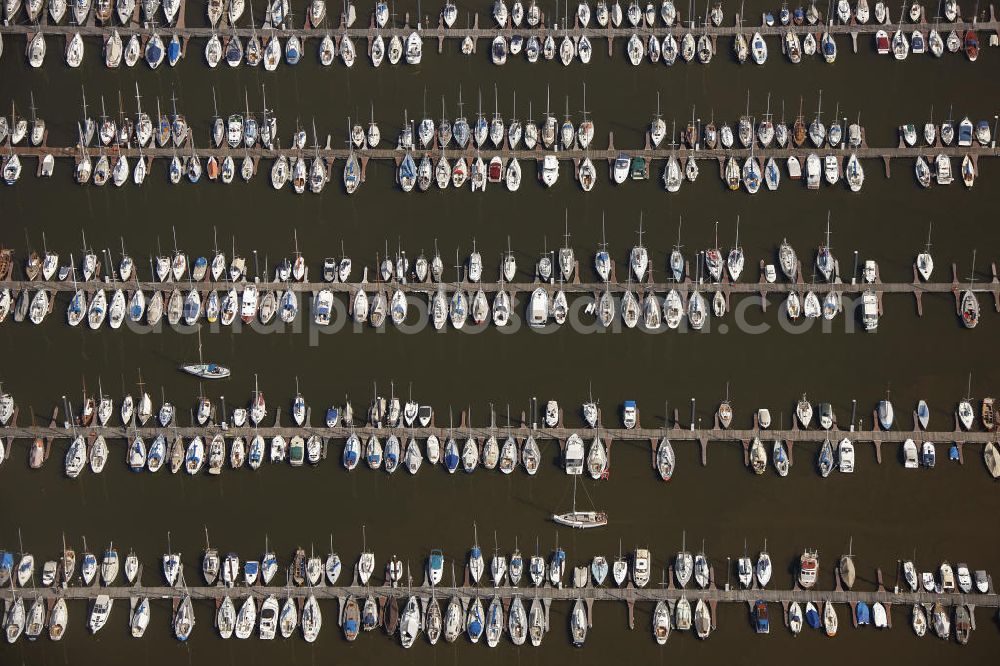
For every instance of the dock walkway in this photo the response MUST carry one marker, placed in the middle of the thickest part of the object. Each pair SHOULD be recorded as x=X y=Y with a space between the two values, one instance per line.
x=574 y=287
x=464 y=430
x=413 y=289
x=628 y=594
x=610 y=153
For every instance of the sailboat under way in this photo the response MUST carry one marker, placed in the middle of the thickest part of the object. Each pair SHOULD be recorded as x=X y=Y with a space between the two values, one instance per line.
x=580 y=519
x=205 y=370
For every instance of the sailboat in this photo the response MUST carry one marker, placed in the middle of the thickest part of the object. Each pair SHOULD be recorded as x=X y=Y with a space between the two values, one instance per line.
x=581 y=519
x=925 y=262
x=735 y=260
x=846 y=566
x=205 y=370
x=969 y=309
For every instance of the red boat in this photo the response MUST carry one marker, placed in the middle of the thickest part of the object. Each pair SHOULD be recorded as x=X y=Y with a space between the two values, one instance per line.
x=213 y=168
x=882 y=42
x=971 y=45
x=495 y=172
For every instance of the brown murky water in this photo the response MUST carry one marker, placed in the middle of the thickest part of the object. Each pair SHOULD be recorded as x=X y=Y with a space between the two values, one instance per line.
x=887 y=510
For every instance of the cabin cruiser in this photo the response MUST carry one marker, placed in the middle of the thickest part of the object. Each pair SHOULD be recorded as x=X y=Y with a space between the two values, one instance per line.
x=845 y=455
x=641 y=560
x=808 y=568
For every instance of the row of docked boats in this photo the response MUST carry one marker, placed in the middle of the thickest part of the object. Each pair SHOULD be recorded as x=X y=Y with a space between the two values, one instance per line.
x=841 y=456
x=267 y=50
x=307 y=569
x=713 y=264
x=959 y=579
x=303 y=172
x=267 y=618
x=763 y=132
x=943 y=583
x=387 y=447
x=261 y=613
x=938 y=170
x=823 y=414
x=267 y=303
x=901 y=43
x=484 y=619
x=154 y=49
x=115 y=302
x=604 y=15
x=277 y=13
x=131 y=14
x=249 y=129
x=245 y=129
x=822 y=616
x=100 y=410
x=693 y=43
x=667 y=14
x=468 y=454
x=963 y=135
x=89 y=12
x=214 y=453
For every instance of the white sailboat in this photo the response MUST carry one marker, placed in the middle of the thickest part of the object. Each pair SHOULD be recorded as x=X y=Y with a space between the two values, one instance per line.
x=205 y=370
x=580 y=519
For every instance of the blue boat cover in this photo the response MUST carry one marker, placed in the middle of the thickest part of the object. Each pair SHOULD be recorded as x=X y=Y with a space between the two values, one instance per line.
x=173 y=51
x=153 y=53
x=864 y=614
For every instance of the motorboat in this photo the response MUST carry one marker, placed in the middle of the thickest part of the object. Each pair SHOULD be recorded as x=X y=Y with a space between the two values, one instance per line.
x=808 y=568
x=100 y=610
x=763 y=569
x=928 y=454
x=946 y=576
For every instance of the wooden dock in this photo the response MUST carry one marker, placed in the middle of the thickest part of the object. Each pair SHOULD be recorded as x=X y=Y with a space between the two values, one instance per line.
x=389 y=598
x=676 y=433
x=431 y=288
x=628 y=594
x=330 y=154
